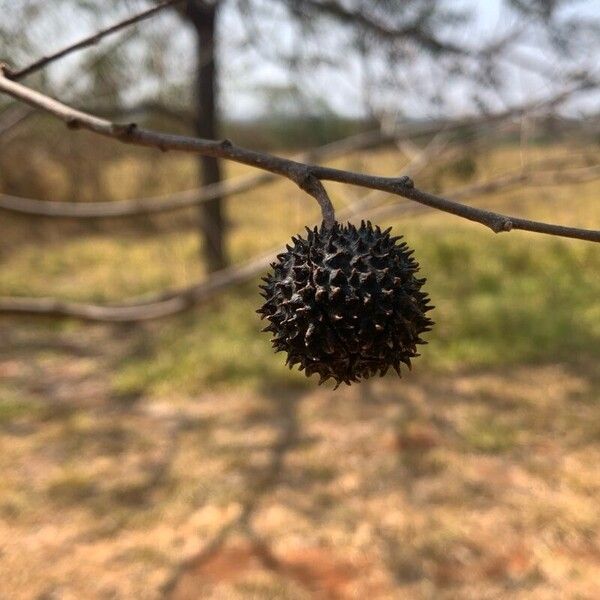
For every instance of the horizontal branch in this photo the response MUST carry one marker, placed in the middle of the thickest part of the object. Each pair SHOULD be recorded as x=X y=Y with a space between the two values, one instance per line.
x=86 y=42
x=179 y=200
x=516 y=179
x=172 y=302
x=301 y=174
x=167 y=304
x=130 y=133
x=187 y=198
x=527 y=108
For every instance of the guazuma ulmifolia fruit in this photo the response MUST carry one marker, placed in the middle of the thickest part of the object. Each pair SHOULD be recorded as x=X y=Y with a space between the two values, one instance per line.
x=345 y=303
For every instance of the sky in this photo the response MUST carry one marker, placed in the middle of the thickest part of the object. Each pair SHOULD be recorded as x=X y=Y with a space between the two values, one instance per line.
x=251 y=85
x=343 y=88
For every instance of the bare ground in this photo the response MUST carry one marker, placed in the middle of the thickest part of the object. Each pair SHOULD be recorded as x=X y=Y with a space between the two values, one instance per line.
x=482 y=484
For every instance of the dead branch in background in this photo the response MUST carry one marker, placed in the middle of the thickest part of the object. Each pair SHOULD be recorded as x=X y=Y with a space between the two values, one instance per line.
x=175 y=301
x=415 y=30
x=308 y=177
x=418 y=161
x=86 y=42
x=12 y=116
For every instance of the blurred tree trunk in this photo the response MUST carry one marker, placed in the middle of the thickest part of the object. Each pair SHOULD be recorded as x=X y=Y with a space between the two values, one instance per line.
x=202 y=15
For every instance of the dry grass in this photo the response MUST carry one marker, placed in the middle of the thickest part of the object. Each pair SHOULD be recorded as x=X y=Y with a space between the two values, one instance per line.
x=127 y=451
x=472 y=485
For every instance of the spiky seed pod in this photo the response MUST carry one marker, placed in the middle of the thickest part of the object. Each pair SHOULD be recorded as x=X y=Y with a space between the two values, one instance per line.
x=345 y=303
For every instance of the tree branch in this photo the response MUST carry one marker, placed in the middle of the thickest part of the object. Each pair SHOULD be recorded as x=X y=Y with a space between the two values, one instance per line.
x=511 y=180
x=162 y=305
x=28 y=111
x=172 y=302
x=183 y=199
x=297 y=172
x=91 y=40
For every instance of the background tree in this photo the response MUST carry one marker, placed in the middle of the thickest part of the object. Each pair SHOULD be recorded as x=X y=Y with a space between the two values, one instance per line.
x=203 y=17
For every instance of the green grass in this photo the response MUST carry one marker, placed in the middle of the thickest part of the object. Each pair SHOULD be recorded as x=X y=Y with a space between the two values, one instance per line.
x=490 y=436
x=499 y=301
x=504 y=300
x=14 y=406
x=214 y=345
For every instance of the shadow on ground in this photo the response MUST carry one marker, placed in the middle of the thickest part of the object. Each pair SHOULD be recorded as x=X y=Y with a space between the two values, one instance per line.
x=475 y=484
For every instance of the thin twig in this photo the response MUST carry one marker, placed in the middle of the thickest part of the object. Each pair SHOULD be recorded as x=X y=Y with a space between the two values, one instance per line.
x=511 y=180
x=67 y=85
x=519 y=177
x=183 y=199
x=91 y=40
x=417 y=30
x=300 y=173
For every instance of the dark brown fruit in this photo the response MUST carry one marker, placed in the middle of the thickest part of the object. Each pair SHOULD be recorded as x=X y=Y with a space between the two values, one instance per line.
x=345 y=303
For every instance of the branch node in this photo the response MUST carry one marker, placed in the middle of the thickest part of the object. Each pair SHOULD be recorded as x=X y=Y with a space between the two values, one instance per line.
x=312 y=185
x=6 y=71
x=308 y=182
x=303 y=176
x=406 y=181
x=498 y=225
x=226 y=143
x=74 y=123
x=124 y=130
